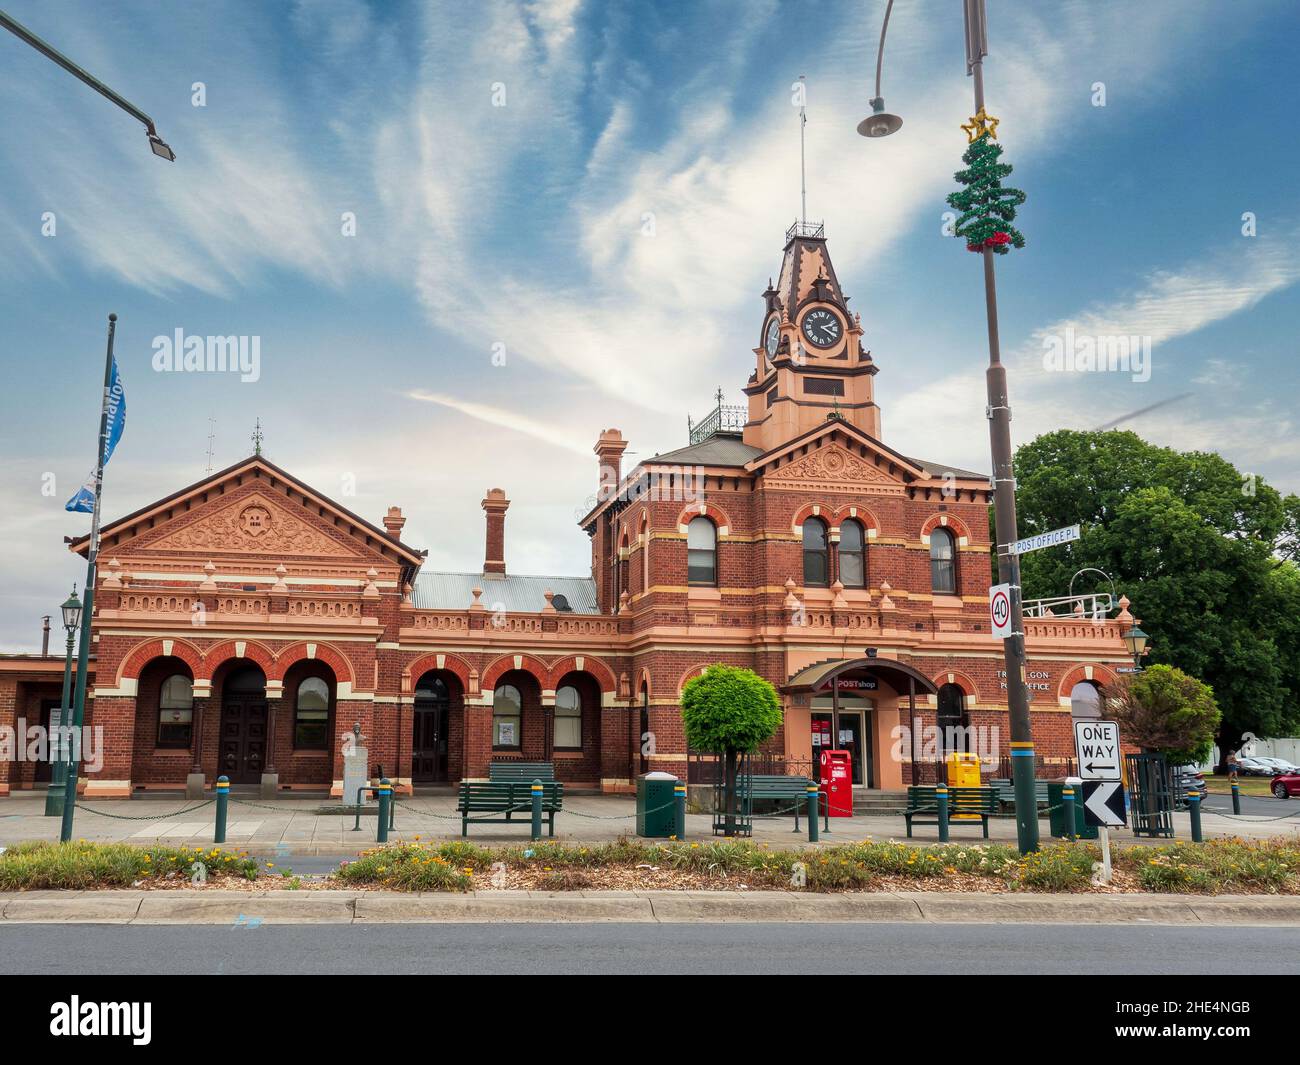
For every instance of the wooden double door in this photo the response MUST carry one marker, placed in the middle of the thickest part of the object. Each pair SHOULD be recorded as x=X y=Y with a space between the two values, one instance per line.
x=242 y=748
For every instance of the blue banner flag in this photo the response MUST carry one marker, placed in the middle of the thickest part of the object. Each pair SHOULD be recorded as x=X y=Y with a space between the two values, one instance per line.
x=84 y=500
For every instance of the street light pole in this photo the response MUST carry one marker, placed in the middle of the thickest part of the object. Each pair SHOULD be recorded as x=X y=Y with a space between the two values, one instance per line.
x=58 y=766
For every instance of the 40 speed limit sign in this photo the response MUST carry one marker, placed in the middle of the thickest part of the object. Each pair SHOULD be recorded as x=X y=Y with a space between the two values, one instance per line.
x=1000 y=611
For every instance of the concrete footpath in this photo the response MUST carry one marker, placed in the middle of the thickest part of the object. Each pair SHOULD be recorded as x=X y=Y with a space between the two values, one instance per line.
x=285 y=826
x=252 y=908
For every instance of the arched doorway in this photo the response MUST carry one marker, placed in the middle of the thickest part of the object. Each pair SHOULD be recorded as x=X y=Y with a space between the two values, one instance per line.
x=431 y=730
x=241 y=747
x=953 y=720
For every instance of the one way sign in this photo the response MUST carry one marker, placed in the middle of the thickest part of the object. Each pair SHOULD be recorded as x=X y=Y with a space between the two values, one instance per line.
x=1103 y=803
x=1097 y=745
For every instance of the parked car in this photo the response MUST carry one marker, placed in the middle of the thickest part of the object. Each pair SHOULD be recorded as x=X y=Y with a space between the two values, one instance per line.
x=1254 y=767
x=1280 y=765
x=1285 y=785
x=1187 y=779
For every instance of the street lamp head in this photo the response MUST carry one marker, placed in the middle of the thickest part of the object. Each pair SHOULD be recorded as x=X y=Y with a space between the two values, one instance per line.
x=161 y=148
x=1136 y=642
x=879 y=123
x=71 y=611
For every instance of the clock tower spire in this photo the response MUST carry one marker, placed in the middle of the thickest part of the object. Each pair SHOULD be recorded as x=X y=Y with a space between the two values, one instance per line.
x=810 y=361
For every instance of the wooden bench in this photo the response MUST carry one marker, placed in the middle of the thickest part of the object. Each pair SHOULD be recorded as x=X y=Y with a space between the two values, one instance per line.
x=785 y=789
x=969 y=802
x=508 y=798
x=528 y=771
x=1007 y=791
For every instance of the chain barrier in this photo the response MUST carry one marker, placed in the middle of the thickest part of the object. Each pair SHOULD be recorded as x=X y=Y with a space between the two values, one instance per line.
x=260 y=805
x=145 y=817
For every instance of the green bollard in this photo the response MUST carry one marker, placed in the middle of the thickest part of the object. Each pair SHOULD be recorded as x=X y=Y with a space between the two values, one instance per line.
x=679 y=813
x=1236 y=798
x=1067 y=800
x=385 y=791
x=537 y=809
x=814 y=795
x=223 y=804
x=1194 y=808
x=941 y=798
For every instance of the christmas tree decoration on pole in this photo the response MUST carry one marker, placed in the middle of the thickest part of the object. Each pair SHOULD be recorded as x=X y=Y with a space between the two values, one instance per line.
x=987 y=206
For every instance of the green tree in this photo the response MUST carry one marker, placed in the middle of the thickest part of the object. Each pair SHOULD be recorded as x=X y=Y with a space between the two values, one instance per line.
x=1163 y=709
x=1195 y=545
x=728 y=710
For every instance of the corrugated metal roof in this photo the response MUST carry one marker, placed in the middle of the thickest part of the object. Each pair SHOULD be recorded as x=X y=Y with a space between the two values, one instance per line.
x=515 y=592
x=715 y=451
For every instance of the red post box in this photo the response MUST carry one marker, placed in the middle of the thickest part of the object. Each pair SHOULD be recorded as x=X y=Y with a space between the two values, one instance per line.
x=837 y=782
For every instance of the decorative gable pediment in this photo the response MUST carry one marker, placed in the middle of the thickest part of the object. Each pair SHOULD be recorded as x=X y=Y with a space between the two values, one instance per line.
x=254 y=524
x=835 y=468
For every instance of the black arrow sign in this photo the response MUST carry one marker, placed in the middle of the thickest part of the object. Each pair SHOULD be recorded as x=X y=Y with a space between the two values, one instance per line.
x=1092 y=767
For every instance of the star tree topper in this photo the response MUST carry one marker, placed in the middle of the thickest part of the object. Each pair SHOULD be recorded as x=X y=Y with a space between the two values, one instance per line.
x=981 y=123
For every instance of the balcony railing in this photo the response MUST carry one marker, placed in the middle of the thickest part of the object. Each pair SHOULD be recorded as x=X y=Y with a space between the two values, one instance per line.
x=724 y=418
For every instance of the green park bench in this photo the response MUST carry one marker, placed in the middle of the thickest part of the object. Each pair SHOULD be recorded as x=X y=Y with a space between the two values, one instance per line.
x=1007 y=791
x=500 y=800
x=968 y=802
x=528 y=771
x=787 y=790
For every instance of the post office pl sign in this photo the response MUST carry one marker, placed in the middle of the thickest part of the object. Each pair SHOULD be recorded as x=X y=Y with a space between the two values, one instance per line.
x=1097 y=745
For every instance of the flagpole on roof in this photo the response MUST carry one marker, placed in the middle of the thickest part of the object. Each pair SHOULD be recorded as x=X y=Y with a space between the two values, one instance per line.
x=88 y=607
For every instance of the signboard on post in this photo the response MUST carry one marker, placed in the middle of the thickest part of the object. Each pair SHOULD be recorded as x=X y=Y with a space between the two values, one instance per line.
x=1047 y=539
x=1097 y=745
x=1103 y=803
x=1000 y=611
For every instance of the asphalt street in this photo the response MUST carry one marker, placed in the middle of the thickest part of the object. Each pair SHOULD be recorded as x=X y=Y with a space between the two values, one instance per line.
x=612 y=948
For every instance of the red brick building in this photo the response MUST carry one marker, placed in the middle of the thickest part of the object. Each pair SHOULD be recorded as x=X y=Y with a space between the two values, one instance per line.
x=246 y=623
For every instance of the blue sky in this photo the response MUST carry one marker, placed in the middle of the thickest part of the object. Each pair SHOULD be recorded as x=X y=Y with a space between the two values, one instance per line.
x=525 y=225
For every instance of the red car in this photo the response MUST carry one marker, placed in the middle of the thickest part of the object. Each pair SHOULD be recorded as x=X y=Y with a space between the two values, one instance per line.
x=1285 y=785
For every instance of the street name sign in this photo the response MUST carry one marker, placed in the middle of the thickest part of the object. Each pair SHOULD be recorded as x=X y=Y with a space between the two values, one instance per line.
x=1000 y=611
x=1103 y=803
x=1097 y=745
x=1047 y=539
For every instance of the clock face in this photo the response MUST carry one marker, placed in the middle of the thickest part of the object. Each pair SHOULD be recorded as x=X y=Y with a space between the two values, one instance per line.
x=821 y=328
x=773 y=338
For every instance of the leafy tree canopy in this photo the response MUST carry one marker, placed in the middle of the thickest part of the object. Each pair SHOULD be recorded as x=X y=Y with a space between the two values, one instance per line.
x=1201 y=550
x=1163 y=709
x=726 y=708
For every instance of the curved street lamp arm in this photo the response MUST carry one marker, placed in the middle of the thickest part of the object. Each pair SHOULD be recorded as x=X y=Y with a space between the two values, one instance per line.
x=880 y=51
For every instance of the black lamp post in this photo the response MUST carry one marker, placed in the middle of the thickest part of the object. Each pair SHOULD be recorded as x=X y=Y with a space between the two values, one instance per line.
x=1136 y=641
x=54 y=794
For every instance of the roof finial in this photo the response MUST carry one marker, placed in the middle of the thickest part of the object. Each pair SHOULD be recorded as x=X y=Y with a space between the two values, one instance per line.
x=257 y=437
x=803 y=174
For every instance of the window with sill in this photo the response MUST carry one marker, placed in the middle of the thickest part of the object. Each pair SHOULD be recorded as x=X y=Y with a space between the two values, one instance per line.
x=701 y=552
x=568 y=719
x=507 y=718
x=943 y=562
x=816 y=554
x=175 y=711
x=853 y=555
x=311 y=715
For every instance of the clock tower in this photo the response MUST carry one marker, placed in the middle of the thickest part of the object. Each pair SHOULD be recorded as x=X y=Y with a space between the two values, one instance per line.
x=810 y=361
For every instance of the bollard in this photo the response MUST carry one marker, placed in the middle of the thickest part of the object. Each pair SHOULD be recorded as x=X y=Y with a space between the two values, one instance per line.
x=537 y=809
x=814 y=794
x=385 y=791
x=1236 y=798
x=679 y=814
x=223 y=803
x=1067 y=800
x=941 y=798
x=1194 y=808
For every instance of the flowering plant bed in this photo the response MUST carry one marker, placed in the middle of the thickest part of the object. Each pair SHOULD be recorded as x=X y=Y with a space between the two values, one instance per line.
x=80 y=865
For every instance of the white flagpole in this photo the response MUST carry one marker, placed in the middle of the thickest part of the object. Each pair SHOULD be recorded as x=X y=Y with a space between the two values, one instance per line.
x=83 y=651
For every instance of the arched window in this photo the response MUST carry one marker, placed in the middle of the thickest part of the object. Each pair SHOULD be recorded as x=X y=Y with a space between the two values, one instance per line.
x=175 y=711
x=816 y=559
x=701 y=552
x=568 y=719
x=952 y=719
x=943 y=562
x=1085 y=701
x=507 y=718
x=853 y=557
x=311 y=715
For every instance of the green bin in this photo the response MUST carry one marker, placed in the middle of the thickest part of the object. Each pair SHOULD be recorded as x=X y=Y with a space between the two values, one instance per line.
x=1056 y=799
x=655 y=799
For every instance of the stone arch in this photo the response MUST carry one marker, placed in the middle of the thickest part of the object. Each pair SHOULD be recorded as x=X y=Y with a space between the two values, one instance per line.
x=720 y=518
x=237 y=650
x=813 y=510
x=143 y=653
x=600 y=672
x=962 y=680
x=694 y=671
x=435 y=660
x=331 y=656
x=951 y=522
x=1102 y=676
x=506 y=663
x=854 y=512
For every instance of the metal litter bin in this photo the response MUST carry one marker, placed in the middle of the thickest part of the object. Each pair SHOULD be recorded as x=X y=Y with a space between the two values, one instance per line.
x=655 y=799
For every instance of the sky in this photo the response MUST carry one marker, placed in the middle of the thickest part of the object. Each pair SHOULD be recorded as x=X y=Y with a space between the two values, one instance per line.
x=468 y=237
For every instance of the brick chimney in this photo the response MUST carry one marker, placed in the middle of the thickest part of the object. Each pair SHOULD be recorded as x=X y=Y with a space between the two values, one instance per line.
x=393 y=522
x=609 y=452
x=495 y=504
